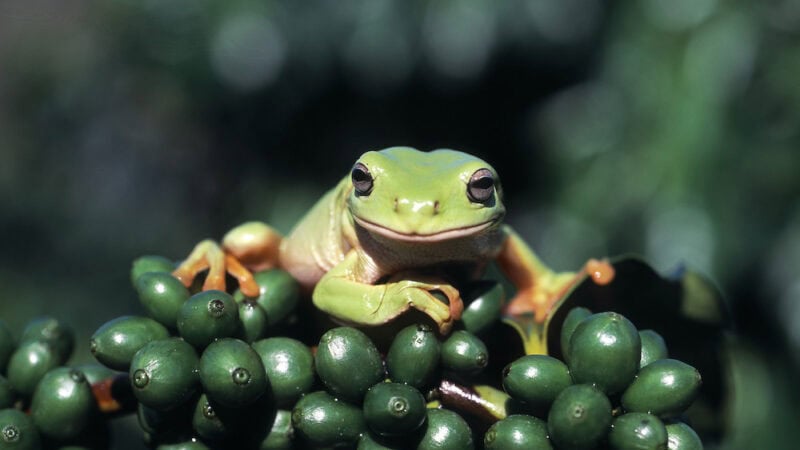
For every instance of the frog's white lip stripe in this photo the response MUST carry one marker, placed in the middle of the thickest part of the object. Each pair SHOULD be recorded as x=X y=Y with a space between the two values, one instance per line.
x=432 y=237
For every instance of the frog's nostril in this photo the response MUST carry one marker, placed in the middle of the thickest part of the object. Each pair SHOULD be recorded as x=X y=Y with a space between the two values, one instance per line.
x=418 y=208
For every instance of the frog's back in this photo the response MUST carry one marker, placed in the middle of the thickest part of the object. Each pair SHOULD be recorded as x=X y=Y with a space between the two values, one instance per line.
x=318 y=243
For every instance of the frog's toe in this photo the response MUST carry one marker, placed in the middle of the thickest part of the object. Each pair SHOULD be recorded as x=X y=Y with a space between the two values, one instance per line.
x=186 y=275
x=247 y=284
x=197 y=262
x=444 y=314
x=456 y=308
x=453 y=299
x=445 y=327
x=600 y=271
x=214 y=282
x=454 y=302
x=522 y=303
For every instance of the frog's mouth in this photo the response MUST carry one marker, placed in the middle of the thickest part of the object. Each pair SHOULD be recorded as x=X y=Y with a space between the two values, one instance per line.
x=443 y=235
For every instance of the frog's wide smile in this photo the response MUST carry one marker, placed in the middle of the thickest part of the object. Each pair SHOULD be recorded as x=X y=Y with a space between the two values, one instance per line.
x=442 y=235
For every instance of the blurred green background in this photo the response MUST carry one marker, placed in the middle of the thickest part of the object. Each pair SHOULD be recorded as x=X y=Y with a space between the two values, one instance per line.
x=669 y=129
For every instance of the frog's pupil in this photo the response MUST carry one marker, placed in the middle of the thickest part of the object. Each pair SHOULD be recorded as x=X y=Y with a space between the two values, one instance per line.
x=483 y=183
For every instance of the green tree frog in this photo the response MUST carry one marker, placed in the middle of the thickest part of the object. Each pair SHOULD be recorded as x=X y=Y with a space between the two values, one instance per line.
x=401 y=226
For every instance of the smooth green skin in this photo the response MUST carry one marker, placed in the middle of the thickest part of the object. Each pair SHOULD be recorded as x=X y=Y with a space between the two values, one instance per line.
x=206 y=423
x=322 y=421
x=392 y=409
x=17 y=431
x=484 y=310
x=232 y=373
x=116 y=341
x=7 y=346
x=418 y=202
x=290 y=368
x=281 y=435
x=579 y=417
x=62 y=404
x=253 y=321
x=366 y=247
x=188 y=445
x=28 y=364
x=446 y=430
x=463 y=352
x=414 y=356
x=664 y=388
x=53 y=331
x=536 y=379
x=518 y=431
x=653 y=347
x=163 y=373
x=278 y=295
x=681 y=436
x=638 y=431
x=411 y=176
x=7 y=396
x=348 y=363
x=149 y=263
x=574 y=317
x=208 y=316
x=605 y=350
x=162 y=296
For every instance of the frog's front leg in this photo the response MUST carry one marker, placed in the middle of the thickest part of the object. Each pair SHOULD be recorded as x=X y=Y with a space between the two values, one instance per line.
x=250 y=246
x=538 y=286
x=342 y=294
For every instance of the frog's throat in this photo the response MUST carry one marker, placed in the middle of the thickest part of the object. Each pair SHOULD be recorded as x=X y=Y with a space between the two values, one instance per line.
x=438 y=236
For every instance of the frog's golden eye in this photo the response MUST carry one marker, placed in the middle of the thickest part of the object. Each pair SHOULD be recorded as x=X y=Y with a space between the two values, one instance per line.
x=362 y=179
x=481 y=186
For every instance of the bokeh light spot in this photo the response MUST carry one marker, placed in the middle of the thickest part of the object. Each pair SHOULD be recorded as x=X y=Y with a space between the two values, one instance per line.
x=248 y=52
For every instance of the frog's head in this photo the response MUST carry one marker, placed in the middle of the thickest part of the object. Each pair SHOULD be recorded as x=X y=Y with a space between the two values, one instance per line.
x=408 y=195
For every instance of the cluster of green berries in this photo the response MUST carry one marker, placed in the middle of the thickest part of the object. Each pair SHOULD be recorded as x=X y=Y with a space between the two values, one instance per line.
x=616 y=389
x=208 y=373
x=209 y=369
x=370 y=402
x=59 y=400
x=215 y=370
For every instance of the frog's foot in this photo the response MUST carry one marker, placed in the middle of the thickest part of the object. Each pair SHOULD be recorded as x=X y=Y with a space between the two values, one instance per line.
x=348 y=299
x=540 y=299
x=419 y=294
x=552 y=287
x=208 y=255
x=599 y=270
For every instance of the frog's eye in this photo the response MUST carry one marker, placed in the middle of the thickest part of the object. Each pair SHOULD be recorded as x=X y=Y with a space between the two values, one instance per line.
x=481 y=186
x=362 y=179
